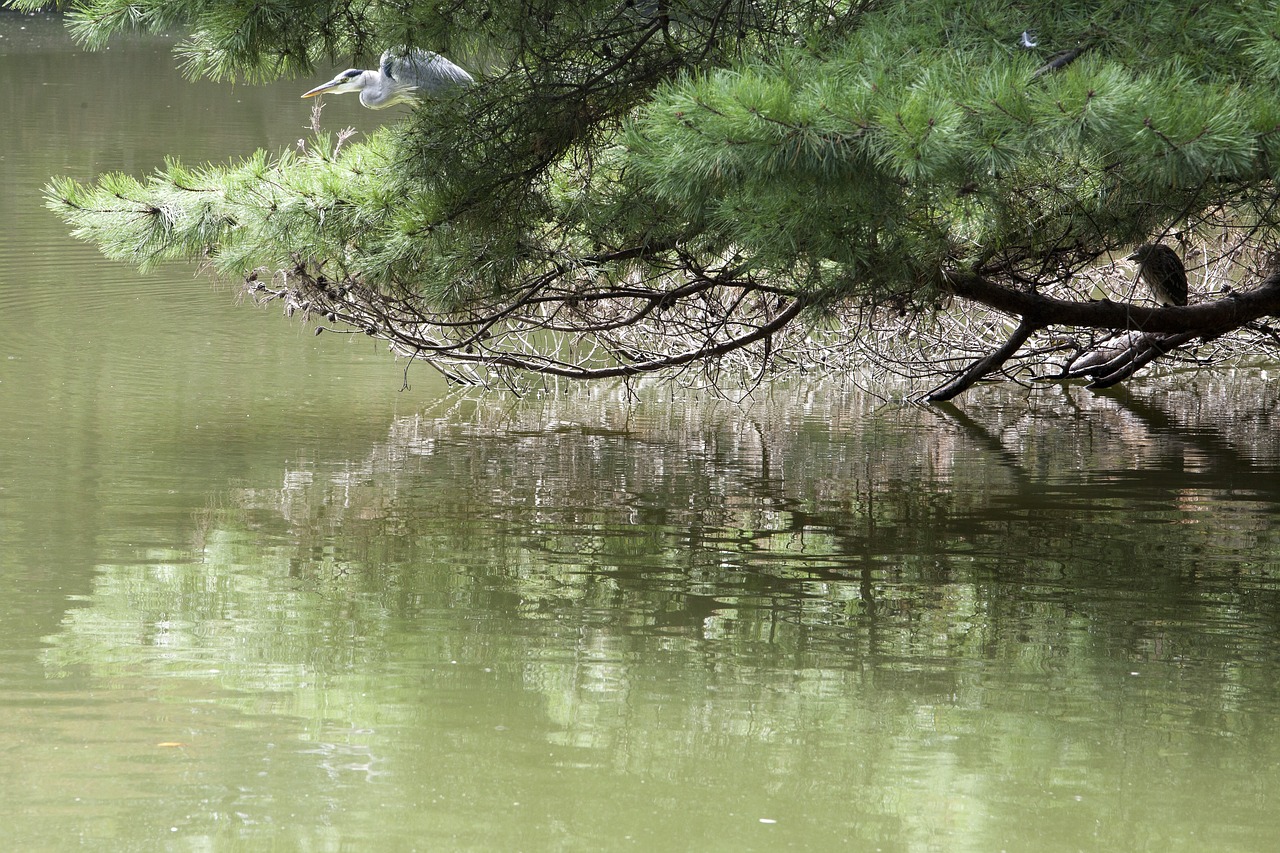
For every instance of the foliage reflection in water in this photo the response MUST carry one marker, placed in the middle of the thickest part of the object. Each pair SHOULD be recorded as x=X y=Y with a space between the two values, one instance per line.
x=580 y=621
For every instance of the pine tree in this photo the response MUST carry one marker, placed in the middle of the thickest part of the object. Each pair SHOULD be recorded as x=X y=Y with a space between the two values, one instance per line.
x=740 y=185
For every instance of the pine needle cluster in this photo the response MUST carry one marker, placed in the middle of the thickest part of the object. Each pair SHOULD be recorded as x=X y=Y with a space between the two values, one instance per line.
x=645 y=184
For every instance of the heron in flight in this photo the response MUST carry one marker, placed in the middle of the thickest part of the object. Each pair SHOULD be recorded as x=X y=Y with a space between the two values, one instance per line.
x=401 y=78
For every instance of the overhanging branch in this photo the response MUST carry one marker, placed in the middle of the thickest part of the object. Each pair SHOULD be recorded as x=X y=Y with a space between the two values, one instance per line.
x=1207 y=317
x=553 y=367
x=983 y=366
x=1149 y=333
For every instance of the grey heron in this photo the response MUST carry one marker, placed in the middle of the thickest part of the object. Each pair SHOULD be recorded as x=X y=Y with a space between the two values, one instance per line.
x=402 y=77
x=1162 y=271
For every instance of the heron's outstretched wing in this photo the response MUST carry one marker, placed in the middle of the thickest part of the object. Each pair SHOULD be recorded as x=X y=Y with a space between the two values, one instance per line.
x=428 y=72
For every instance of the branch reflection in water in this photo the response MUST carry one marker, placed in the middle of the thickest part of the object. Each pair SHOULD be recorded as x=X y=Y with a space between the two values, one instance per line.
x=934 y=609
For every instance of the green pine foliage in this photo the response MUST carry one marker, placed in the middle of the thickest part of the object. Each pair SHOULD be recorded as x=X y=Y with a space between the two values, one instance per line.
x=830 y=150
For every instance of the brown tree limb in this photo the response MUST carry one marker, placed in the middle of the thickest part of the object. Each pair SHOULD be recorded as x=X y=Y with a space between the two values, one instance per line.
x=711 y=350
x=1148 y=350
x=1060 y=60
x=983 y=366
x=1205 y=317
x=1154 y=332
x=1104 y=358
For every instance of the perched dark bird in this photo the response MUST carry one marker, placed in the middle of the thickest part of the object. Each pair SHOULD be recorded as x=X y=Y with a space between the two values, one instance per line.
x=1161 y=270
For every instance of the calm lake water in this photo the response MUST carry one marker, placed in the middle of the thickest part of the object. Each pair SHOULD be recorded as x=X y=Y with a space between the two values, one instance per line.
x=258 y=596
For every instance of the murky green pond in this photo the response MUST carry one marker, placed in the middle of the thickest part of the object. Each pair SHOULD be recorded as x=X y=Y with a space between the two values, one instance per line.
x=257 y=596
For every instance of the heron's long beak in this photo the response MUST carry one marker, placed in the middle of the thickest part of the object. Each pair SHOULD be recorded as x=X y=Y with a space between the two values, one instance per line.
x=322 y=88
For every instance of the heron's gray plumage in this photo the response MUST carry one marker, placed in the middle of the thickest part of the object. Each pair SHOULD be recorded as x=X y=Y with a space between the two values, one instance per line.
x=402 y=77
